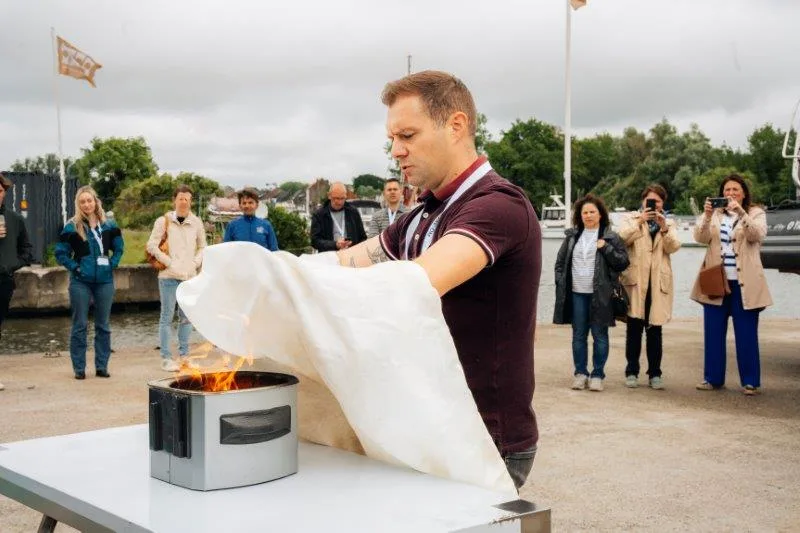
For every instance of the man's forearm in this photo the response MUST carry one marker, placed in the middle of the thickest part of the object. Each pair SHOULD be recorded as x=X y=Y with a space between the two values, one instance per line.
x=363 y=254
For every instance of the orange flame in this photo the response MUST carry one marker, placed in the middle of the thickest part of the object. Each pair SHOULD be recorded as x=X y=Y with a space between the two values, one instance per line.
x=219 y=375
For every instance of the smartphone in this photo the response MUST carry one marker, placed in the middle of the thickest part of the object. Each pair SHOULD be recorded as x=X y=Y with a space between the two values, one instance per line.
x=716 y=203
x=650 y=204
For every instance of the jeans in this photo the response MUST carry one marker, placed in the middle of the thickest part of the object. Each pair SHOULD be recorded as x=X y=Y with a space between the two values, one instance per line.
x=167 y=293
x=6 y=291
x=581 y=305
x=519 y=465
x=80 y=294
x=745 y=327
x=633 y=344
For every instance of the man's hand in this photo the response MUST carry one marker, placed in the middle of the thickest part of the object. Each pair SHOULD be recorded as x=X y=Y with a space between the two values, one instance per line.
x=341 y=244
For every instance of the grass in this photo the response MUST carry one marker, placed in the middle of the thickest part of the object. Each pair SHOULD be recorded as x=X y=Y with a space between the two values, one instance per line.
x=135 y=241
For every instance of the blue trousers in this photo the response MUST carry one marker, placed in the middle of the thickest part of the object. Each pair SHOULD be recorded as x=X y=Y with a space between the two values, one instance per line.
x=745 y=328
x=581 y=305
x=80 y=294
x=167 y=291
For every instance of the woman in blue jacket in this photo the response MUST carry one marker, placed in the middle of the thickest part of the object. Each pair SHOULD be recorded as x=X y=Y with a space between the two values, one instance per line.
x=90 y=247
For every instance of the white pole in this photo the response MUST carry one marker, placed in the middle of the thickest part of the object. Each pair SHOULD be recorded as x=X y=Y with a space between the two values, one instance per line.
x=568 y=120
x=61 y=171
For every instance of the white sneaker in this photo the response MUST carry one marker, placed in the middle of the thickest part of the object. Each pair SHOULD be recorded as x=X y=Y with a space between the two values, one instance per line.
x=657 y=383
x=168 y=365
x=2 y=387
x=631 y=381
x=579 y=383
x=596 y=384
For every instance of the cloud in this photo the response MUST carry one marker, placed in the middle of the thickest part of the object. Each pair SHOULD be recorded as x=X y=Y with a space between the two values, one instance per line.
x=256 y=92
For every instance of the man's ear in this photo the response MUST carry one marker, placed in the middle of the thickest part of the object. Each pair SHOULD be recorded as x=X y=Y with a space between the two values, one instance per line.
x=458 y=124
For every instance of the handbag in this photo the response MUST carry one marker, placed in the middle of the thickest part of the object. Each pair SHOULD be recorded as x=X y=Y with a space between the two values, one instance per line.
x=713 y=281
x=163 y=245
x=620 y=302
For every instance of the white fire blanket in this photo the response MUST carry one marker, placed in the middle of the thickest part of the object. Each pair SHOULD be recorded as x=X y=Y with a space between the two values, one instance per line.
x=376 y=337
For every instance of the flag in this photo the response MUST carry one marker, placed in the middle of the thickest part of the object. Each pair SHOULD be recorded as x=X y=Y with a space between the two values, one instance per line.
x=72 y=62
x=577 y=4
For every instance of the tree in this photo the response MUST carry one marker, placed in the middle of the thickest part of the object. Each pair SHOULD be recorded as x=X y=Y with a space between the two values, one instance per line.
x=530 y=155
x=46 y=164
x=368 y=180
x=773 y=173
x=365 y=191
x=110 y=165
x=482 y=135
x=141 y=203
x=707 y=184
x=290 y=229
x=292 y=187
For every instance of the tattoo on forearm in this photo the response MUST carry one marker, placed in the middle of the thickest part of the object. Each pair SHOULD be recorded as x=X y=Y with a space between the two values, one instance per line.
x=377 y=255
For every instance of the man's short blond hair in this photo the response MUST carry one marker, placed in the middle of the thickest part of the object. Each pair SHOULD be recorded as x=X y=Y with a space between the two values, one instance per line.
x=441 y=93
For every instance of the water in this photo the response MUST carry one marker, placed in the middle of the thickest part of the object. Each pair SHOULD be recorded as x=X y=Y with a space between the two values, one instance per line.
x=140 y=328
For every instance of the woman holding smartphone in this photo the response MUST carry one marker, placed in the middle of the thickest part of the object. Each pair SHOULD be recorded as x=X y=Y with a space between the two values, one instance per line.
x=90 y=247
x=734 y=233
x=651 y=240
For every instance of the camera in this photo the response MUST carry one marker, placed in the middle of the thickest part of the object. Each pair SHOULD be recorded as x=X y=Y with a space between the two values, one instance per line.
x=650 y=204
x=716 y=203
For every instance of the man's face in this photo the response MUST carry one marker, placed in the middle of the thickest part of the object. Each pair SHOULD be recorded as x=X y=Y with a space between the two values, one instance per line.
x=337 y=196
x=392 y=193
x=248 y=205
x=183 y=202
x=421 y=148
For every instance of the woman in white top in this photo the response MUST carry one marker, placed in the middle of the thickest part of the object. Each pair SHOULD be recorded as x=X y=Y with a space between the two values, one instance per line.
x=586 y=272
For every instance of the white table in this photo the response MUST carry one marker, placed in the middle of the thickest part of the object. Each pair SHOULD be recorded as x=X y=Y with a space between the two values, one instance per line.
x=100 y=481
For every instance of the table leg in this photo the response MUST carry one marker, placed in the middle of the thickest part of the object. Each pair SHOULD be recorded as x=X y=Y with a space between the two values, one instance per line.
x=47 y=525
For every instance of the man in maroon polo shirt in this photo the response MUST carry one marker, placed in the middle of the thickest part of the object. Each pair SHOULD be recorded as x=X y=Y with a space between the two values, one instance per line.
x=478 y=239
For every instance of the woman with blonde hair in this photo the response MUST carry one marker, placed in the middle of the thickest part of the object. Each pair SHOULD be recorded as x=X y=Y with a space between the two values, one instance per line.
x=733 y=228
x=90 y=247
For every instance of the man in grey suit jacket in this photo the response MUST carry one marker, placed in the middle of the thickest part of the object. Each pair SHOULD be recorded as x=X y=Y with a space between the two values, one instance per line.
x=393 y=200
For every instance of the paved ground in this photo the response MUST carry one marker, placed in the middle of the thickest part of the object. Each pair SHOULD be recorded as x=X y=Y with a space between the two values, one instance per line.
x=622 y=459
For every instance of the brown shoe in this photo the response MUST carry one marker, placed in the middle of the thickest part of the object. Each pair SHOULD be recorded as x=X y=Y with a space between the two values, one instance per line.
x=706 y=386
x=749 y=390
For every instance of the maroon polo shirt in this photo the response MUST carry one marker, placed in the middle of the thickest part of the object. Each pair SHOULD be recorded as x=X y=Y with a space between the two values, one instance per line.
x=493 y=315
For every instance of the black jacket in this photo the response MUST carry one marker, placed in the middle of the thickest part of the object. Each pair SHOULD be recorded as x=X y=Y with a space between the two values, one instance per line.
x=610 y=261
x=15 y=249
x=322 y=227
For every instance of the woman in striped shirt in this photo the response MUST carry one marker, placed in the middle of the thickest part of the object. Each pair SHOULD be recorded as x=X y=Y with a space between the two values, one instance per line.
x=587 y=269
x=733 y=234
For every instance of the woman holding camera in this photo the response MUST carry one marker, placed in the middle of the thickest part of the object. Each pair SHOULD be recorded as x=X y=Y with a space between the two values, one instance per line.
x=90 y=248
x=651 y=240
x=587 y=268
x=733 y=229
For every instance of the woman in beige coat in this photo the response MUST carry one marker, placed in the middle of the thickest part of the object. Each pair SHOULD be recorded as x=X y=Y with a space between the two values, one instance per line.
x=651 y=240
x=733 y=235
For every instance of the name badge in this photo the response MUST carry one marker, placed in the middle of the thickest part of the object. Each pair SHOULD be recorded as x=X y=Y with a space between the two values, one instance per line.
x=259 y=230
x=102 y=261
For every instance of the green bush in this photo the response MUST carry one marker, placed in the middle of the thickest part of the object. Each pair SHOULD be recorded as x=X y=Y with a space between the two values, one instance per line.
x=291 y=230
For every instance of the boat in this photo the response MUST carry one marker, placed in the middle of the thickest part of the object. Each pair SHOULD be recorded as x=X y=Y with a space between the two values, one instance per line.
x=553 y=220
x=781 y=247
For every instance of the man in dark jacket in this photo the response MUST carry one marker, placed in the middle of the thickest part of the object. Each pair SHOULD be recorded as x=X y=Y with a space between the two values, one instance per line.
x=15 y=249
x=336 y=225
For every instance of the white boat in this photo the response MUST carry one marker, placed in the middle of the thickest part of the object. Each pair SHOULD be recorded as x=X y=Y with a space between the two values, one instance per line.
x=553 y=219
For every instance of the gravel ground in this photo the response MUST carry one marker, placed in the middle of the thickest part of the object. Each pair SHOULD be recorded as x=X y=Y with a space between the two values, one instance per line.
x=622 y=459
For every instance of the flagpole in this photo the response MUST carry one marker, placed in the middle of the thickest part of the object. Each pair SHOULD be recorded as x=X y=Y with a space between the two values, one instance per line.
x=568 y=119
x=62 y=173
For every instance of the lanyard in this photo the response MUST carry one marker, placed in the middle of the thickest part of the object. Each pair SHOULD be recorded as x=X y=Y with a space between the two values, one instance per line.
x=391 y=215
x=97 y=232
x=480 y=172
x=339 y=227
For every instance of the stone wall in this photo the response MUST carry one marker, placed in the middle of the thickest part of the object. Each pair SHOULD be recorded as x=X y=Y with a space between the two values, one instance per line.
x=46 y=289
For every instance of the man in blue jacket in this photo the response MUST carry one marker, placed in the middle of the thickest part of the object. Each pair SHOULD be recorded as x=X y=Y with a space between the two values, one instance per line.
x=248 y=227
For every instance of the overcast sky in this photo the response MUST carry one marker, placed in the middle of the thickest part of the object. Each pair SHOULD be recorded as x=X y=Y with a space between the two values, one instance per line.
x=252 y=92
